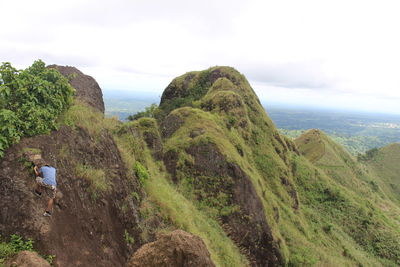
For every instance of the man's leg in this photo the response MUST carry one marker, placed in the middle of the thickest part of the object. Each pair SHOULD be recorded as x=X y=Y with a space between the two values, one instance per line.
x=50 y=202
x=50 y=205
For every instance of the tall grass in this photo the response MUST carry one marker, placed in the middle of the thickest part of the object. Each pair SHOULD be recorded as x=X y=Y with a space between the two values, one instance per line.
x=96 y=177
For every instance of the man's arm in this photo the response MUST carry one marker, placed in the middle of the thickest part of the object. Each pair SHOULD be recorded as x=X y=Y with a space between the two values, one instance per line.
x=37 y=172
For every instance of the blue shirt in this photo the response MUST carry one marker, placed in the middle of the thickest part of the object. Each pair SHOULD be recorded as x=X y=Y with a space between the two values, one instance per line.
x=49 y=175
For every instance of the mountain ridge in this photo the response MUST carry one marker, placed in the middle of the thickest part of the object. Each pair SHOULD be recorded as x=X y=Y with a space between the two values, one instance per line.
x=210 y=162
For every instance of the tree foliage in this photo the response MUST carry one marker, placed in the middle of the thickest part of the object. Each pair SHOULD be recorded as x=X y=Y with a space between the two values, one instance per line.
x=148 y=112
x=369 y=154
x=30 y=101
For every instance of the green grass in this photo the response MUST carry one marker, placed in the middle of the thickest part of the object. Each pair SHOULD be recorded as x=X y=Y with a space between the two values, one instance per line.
x=385 y=166
x=99 y=182
x=85 y=117
x=176 y=208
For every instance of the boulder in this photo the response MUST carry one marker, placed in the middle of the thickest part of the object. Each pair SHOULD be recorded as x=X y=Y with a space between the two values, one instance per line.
x=28 y=259
x=178 y=248
x=87 y=89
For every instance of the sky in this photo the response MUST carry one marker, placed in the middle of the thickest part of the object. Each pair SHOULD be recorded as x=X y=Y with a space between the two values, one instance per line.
x=327 y=54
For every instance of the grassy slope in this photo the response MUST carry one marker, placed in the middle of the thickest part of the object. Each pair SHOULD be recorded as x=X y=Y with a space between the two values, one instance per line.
x=335 y=225
x=321 y=231
x=386 y=167
x=178 y=211
x=356 y=200
x=163 y=198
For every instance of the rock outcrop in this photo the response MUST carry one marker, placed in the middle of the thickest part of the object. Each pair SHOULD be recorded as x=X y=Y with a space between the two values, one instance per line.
x=27 y=259
x=176 y=249
x=87 y=89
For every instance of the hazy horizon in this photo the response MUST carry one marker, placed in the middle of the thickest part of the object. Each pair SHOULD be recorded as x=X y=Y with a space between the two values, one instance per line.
x=154 y=97
x=340 y=54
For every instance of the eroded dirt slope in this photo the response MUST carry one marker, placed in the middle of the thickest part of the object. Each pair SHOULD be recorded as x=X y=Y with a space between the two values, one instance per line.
x=83 y=229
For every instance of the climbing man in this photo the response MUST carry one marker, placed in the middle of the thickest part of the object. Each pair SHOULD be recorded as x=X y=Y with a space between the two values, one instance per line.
x=46 y=181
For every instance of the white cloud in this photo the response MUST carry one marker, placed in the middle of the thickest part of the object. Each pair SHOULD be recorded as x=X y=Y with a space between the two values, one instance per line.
x=309 y=49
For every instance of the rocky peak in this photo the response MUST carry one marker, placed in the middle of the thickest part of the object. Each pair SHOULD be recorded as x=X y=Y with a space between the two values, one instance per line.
x=87 y=89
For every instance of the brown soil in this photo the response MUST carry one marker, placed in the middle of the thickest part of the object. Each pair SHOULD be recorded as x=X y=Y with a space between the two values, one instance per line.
x=82 y=230
x=176 y=249
x=87 y=89
x=27 y=259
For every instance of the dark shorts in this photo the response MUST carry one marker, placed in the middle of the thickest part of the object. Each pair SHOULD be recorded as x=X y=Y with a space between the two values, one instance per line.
x=50 y=190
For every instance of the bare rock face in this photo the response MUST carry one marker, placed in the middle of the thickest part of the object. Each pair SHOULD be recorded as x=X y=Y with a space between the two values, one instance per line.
x=176 y=249
x=87 y=89
x=28 y=259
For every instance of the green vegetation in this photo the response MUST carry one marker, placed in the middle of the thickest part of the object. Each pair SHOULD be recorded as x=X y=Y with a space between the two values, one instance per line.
x=335 y=225
x=384 y=164
x=16 y=244
x=140 y=172
x=186 y=91
x=149 y=112
x=80 y=115
x=356 y=207
x=30 y=101
x=128 y=238
x=357 y=144
x=369 y=154
x=97 y=178
x=176 y=210
x=13 y=246
x=124 y=106
x=184 y=215
x=50 y=258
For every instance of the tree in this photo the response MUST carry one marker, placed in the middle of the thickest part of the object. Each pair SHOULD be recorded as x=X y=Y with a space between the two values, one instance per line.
x=30 y=101
x=149 y=112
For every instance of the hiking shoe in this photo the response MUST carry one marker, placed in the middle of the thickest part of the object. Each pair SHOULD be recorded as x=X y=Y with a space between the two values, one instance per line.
x=38 y=194
x=47 y=214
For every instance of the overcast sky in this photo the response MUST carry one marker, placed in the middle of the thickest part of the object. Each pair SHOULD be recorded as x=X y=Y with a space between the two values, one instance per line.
x=342 y=54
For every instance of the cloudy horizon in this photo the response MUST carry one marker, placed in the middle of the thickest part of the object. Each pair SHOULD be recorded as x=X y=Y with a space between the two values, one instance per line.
x=331 y=54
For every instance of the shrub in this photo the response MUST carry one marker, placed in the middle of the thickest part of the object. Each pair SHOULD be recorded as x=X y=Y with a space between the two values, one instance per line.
x=140 y=172
x=370 y=154
x=148 y=112
x=302 y=257
x=30 y=101
x=15 y=245
x=128 y=238
x=328 y=228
